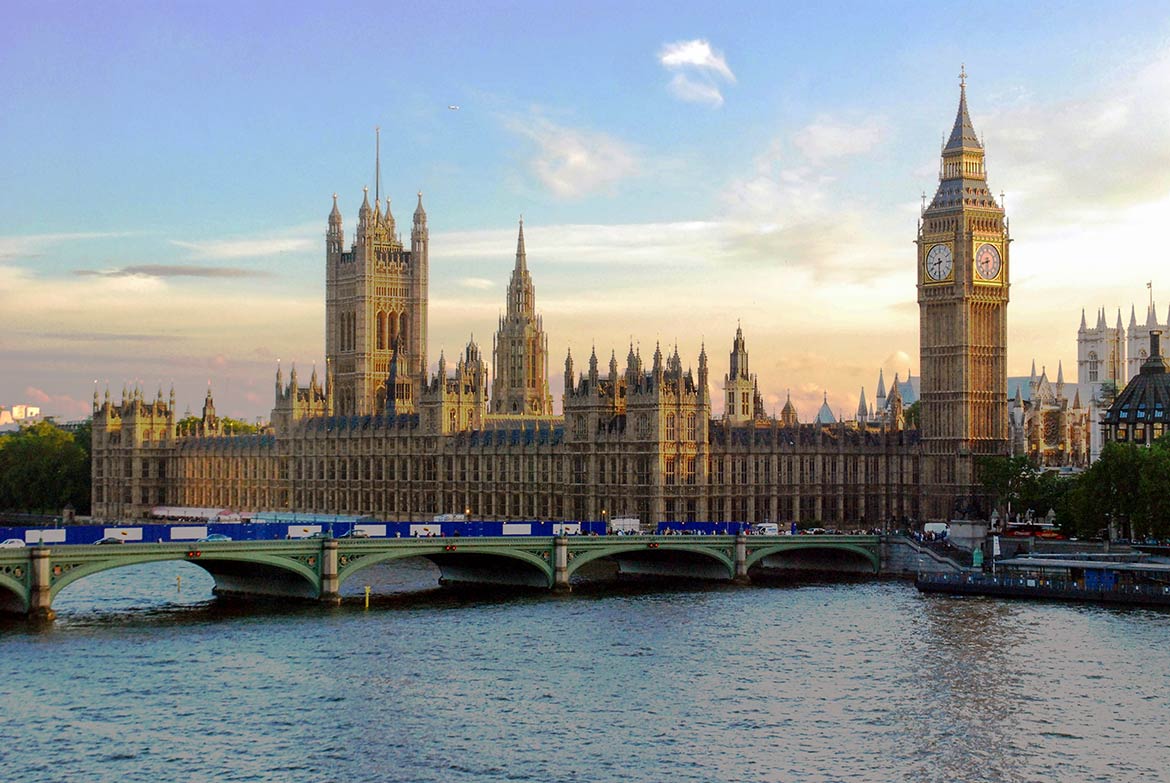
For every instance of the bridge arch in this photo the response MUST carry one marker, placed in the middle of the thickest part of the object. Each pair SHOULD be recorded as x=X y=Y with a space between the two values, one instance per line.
x=218 y=564
x=713 y=551
x=870 y=556
x=13 y=594
x=349 y=564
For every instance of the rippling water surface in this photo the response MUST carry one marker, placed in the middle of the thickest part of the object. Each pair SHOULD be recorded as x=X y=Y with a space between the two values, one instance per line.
x=822 y=682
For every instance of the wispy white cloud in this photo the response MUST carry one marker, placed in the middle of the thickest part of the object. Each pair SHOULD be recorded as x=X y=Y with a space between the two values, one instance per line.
x=173 y=270
x=1105 y=150
x=695 y=54
x=573 y=162
x=17 y=246
x=296 y=240
x=692 y=91
x=478 y=283
x=637 y=244
x=700 y=71
x=827 y=138
x=61 y=405
x=794 y=209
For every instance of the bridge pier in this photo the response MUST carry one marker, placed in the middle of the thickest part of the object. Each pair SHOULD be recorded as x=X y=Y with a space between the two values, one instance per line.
x=741 y=572
x=330 y=583
x=561 y=565
x=40 y=599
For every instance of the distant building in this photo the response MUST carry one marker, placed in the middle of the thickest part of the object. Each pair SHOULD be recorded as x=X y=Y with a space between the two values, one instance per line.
x=1049 y=427
x=1110 y=356
x=18 y=416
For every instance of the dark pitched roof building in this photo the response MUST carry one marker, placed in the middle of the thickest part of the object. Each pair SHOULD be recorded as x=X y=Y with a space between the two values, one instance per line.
x=1139 y=414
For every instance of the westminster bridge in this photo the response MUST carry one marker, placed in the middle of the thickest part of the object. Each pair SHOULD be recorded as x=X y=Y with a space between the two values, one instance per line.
x=315 y=569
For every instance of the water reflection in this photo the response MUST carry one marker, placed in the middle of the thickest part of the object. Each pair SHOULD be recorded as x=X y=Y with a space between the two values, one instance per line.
x=641 y=682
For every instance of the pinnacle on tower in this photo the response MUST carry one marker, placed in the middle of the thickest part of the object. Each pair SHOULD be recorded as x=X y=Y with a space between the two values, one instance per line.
x=521 y=256
x=420 y=214
x=1084 y=323
x=963 y=133
x=1101 y=318
x=364 y=212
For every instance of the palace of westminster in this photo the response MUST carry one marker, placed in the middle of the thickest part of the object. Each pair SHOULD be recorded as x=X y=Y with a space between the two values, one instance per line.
x=379 y=436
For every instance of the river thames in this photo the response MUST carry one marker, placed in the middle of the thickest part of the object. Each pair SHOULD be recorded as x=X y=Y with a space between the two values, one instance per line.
x=864 y=681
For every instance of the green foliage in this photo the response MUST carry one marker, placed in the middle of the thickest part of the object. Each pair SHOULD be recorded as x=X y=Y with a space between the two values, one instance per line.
x=913 y=415
x=1005 y=477
x=238 y=426
x=234 y=426
x=1129 y=486
x=43 y=468
x=1019 y=486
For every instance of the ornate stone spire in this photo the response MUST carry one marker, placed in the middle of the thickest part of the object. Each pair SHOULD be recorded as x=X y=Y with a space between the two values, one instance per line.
x=739 y=357
x=521 y=255
x=364 y=212
x=963 y=133
x=520 y=385
x=788 y=412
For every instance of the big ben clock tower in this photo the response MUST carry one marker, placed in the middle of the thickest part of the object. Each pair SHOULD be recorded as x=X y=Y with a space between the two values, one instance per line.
x=963 y=268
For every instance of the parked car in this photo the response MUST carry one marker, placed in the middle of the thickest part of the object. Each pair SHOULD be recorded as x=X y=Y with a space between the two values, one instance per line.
x=111 y=540
x=216 y=537
x=11 y=543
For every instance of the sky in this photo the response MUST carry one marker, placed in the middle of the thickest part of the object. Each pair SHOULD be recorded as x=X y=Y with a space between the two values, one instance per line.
x=682 y=169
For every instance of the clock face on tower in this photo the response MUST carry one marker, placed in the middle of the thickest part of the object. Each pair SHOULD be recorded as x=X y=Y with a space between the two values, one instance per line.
x=939 y=262
x=987 y=262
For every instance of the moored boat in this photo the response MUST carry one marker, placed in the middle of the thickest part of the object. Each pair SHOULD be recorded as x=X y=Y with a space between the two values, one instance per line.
x=1086 y=579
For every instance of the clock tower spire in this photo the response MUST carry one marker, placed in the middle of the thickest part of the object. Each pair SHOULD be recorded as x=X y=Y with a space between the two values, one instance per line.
x=963 y=283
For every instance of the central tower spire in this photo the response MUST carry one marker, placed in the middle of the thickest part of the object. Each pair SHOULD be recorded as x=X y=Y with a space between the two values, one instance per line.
x=521 y=347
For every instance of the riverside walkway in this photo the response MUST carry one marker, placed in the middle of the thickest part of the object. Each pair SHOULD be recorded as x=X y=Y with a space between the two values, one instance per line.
x=30 y=578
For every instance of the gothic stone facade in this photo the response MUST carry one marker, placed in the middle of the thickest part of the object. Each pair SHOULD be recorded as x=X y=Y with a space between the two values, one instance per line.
x=381 y=437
